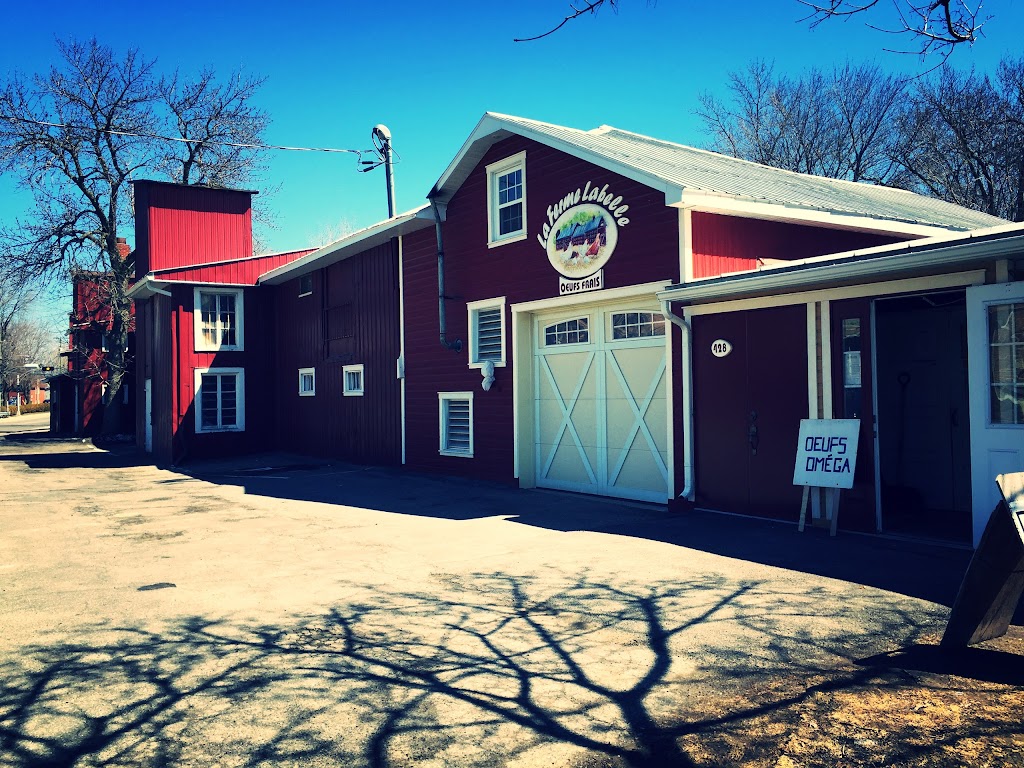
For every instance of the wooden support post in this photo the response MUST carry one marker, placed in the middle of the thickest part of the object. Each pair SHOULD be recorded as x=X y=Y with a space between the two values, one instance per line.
x=803 y=508
x=832 y=505
x=994 y=582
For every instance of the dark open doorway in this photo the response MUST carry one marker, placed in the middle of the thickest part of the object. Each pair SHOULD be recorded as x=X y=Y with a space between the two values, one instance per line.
x=923 y=428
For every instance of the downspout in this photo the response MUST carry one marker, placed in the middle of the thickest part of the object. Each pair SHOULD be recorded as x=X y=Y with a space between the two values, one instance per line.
x=455 y=346
x=680 y=323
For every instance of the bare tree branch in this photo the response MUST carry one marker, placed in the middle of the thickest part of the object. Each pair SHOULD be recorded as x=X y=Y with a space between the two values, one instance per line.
x=589 y=6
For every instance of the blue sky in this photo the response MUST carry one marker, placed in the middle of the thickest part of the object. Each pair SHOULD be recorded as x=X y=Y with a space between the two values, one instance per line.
x=429 y=70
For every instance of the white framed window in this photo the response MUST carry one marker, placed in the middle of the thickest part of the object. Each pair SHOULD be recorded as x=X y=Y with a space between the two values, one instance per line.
x=352 y=376
x=636 y=325
x=218 y=315
x=306 y=285
x=455 y=423
x=220 y=399
x=506 y=200
x=486 y=332
x=307 y=382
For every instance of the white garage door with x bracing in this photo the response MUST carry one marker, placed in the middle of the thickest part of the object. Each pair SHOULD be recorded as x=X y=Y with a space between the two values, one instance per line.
x=600 y=394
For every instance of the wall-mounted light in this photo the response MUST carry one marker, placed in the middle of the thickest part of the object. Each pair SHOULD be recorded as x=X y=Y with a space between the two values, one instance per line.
x=487 y=371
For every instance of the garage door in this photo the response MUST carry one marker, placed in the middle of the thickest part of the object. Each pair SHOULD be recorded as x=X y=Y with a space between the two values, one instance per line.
x=600 y=397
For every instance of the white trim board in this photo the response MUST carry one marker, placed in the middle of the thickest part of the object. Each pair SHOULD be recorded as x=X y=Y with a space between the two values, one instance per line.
x=861 y=290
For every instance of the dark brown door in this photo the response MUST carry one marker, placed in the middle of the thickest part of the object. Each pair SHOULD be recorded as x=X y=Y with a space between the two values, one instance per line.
x=747 y=410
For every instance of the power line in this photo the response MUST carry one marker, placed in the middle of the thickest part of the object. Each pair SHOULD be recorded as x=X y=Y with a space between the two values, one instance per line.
x=142 y=135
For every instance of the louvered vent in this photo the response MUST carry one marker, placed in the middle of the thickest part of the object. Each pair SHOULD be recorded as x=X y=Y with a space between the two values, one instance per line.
x=488 y=334
x=457 y=427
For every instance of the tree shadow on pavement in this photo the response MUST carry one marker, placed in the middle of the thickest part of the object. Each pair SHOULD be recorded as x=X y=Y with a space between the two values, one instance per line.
x=494 y=670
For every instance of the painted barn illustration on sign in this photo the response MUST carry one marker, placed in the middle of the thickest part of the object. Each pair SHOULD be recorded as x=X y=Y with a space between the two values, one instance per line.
x=601 y=312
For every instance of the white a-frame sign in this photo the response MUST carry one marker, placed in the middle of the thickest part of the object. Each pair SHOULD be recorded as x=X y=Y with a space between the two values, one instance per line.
x=826 y=457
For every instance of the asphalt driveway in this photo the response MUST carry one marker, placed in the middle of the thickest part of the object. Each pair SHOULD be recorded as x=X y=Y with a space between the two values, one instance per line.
x=281 y=610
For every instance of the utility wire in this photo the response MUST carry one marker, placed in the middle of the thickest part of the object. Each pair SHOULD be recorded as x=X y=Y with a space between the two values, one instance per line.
x=114 y=132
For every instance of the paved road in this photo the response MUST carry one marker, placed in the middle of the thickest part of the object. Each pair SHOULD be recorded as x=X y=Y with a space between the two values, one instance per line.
x=285 y=611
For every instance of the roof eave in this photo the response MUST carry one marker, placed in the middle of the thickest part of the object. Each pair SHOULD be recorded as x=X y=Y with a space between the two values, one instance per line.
x=147 y=287
x=720 y=203
x=375 y=234
x=870 y=267
x=493 y=128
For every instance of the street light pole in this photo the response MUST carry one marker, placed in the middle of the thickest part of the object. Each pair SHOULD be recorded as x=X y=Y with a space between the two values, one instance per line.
x=383 y=135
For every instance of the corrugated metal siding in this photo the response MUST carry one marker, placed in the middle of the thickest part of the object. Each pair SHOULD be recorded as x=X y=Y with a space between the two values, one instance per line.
x=352 y=317
x=723 y=244
x=237 y=272
x=647 y=250
x=191 y=225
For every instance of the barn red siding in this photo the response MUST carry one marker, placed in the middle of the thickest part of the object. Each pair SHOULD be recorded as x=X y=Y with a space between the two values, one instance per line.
x=352 y=317
x=647 y=250
x=723 y=244
x=178 y=225
x=257 y=359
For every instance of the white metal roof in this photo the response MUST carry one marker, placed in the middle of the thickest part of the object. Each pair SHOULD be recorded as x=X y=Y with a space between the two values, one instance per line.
x=706 y=180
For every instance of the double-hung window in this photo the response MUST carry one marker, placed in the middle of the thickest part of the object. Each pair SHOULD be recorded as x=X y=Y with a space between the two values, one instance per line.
x=486 y=332
x=218 y=319
x=506 y=200
x=220 y=399
x=455 y=423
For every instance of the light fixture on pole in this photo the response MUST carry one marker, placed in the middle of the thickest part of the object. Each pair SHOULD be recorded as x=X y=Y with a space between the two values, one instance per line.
x=382 y=143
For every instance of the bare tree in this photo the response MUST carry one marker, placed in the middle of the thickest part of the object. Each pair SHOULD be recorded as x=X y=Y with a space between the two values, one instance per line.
x=836 y=125
x=930 y=26
x=16 y=295
x=963 y=139
x=222 y=127
x=76 y=136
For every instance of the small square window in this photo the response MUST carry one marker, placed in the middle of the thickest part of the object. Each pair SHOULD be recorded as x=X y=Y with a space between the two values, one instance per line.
x=486 y=332
x=506 y=200
x=353 y=380
x=307 y=382
x=455 y=423
x=306 y=285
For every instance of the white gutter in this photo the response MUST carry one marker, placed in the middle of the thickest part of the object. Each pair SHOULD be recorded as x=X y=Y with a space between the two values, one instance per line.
x=672 y=317
x=785 y=279
x=147 y=287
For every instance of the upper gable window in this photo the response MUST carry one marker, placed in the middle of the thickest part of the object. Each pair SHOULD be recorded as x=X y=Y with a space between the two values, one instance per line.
x=306 y=284
x=506 y=200
x=218 y=319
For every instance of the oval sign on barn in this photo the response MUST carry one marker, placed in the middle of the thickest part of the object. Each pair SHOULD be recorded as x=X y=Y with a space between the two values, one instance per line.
x=720 y=347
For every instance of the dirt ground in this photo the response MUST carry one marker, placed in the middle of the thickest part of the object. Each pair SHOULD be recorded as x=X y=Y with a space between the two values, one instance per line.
x=290 y=612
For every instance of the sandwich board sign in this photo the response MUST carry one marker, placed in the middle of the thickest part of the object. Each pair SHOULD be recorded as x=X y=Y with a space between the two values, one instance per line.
x=826 y=457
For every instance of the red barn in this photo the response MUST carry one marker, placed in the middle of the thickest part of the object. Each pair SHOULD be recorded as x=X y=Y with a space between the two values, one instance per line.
x=606 y=313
